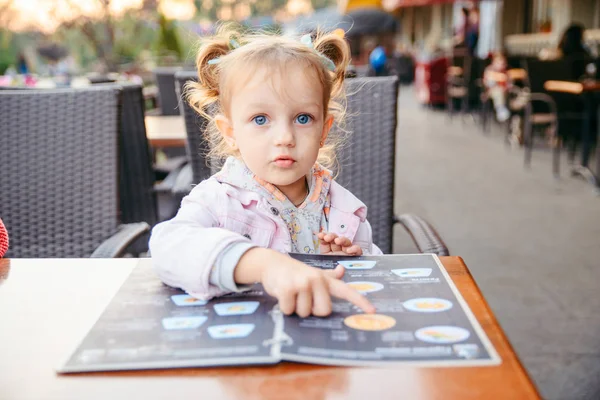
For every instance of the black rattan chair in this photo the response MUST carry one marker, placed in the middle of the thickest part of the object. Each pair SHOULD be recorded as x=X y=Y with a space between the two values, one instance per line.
x=195 y=125
x=141 y=198
x=59 y=181
x=136 y=183
x=367 y=162
x=167 y=98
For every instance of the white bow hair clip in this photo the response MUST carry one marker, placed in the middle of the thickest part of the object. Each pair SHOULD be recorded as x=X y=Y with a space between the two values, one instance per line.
x=307 y=41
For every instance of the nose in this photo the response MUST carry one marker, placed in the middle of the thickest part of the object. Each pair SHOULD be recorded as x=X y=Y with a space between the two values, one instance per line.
x=284 y=135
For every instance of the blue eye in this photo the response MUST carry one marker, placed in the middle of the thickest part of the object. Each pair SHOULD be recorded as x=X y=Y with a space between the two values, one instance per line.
x=260 y=120
x=303 y=119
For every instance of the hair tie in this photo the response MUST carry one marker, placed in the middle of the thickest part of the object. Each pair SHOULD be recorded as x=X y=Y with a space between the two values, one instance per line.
x=327 y=63
x=233 y=44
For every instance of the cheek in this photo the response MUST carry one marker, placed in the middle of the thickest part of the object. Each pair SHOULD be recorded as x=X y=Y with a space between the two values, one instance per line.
x=310 y=144
x=246 y=136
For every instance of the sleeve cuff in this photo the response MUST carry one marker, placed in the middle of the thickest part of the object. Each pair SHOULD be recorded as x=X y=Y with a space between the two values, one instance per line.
x=222 y=273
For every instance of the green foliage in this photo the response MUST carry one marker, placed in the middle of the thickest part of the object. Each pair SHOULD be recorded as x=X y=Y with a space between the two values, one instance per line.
x=316 y=4
x=267 y=7
x=168 y=39
x=133 y=36
x=8 y=51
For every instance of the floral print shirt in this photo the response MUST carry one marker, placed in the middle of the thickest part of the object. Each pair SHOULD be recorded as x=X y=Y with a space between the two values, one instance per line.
x=305 y=221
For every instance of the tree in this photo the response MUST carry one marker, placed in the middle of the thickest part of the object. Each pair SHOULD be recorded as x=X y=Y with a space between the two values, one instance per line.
x=316 y=4
x=7 y=52
x=168 y=40
x=101 y=26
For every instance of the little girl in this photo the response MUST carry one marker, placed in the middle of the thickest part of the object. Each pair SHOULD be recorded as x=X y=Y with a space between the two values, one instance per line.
x=275 y=99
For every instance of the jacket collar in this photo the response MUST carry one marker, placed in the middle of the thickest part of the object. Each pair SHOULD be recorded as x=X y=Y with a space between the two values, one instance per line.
x=341 y=198
x=345 y=201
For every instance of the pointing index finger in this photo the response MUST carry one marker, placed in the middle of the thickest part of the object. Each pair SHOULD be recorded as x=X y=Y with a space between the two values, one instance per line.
x=340 y=290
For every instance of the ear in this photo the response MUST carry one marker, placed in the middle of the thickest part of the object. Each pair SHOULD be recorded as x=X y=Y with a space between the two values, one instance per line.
x=326 y=128
x=224 y=126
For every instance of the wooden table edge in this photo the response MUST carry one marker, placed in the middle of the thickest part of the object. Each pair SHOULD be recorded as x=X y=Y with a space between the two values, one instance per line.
x=563 y=86
x=487 y=310
x=572 y=87
x=161 y=142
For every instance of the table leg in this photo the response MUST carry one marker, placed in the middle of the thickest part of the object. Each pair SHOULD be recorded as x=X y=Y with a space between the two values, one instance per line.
x=586 y=137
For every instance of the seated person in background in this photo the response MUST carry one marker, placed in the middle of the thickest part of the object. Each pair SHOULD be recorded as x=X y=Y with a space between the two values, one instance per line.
x=495 y=80
x=573 y=48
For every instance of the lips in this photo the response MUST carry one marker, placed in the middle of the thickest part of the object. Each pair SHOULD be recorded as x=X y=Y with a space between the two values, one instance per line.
x=284 y=161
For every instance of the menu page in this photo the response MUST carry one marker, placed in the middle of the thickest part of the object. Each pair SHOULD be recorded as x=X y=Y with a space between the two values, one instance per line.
x=150 y=325
x=421 y=318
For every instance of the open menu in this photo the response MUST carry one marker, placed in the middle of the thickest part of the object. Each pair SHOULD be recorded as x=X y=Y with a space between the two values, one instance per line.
x=421 y=320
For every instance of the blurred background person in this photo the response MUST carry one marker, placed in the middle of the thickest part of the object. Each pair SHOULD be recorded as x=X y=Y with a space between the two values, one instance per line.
x=22 y=65
x=495 y=81
x=572 y=42
x=573 y=49
x=466 y=36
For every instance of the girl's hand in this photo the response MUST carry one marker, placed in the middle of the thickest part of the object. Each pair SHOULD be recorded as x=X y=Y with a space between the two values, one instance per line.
x=334 y=245
x=299 y=288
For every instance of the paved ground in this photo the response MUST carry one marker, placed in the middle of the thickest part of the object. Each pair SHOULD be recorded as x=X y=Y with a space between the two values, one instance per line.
x=532 y=243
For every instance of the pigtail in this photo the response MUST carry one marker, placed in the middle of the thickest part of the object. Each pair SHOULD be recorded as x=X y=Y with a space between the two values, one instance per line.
x=200 y=95
x=203 y=96
x=334 y=47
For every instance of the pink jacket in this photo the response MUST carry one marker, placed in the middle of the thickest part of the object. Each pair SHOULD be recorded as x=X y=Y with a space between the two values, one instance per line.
x=216 y=215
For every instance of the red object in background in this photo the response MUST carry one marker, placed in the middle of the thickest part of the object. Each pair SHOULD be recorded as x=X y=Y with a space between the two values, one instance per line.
x=430 y=81
x=3 y=240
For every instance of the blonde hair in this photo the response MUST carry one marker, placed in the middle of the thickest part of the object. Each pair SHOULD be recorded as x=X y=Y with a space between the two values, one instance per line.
x=238 y=54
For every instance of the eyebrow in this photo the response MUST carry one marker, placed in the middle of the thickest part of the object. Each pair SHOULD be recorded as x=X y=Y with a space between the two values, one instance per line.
x=261 y=105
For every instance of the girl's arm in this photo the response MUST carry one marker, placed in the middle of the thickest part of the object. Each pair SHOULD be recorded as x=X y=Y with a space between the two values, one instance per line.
x=187 y=249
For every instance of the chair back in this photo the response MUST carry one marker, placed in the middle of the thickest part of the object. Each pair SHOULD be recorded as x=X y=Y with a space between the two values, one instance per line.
x=167 y=98
x=58 y=179
x=514 y=61
x=137 y=197
x=367 y=160
x=540 y=71
x=564 y=69
x=195 y=125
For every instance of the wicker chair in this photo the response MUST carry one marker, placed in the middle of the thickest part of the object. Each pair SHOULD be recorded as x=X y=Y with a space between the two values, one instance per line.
x=371 y=107
x=58 y=187
x=367 y=162
x=136 y=184
x=167 y=98
x=195 y=125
